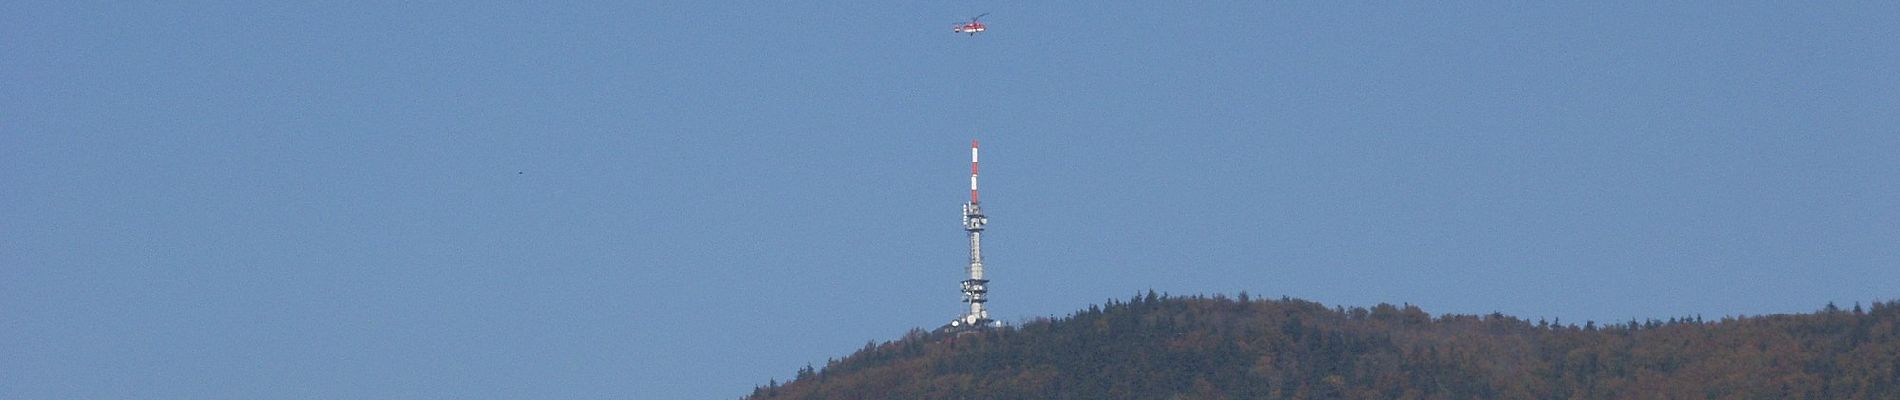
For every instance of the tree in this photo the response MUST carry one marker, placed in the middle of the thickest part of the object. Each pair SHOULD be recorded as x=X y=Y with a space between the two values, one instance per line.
x=1212 y=347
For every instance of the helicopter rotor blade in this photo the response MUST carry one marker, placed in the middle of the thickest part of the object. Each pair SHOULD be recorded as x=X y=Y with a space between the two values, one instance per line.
x=978 y=16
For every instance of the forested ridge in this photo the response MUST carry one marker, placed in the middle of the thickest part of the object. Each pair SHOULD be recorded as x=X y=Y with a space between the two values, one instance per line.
x=1160 y=347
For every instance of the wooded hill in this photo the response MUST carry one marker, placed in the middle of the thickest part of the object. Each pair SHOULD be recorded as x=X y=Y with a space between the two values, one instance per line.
x=1160 y=347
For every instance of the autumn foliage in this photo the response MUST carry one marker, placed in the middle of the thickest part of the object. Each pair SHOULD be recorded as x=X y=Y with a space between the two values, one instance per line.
x=1160 y=347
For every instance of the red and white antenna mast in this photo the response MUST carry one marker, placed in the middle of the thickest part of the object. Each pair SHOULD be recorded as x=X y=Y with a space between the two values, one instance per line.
x=976 y=288
x=973 y=197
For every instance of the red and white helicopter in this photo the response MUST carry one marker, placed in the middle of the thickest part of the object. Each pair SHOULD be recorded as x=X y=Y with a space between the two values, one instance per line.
x=971 y=27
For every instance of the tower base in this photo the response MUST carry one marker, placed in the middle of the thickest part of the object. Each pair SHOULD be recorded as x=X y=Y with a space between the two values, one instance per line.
x=966 y=324
x=960 y=327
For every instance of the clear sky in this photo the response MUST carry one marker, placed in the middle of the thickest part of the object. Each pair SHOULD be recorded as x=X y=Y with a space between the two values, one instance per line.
x=663 y=200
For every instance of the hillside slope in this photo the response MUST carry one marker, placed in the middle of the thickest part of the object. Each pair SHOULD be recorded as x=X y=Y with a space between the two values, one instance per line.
x=1156 y=347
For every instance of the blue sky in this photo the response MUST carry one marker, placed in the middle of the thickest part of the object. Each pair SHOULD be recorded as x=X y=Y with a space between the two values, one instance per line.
x=683 y=199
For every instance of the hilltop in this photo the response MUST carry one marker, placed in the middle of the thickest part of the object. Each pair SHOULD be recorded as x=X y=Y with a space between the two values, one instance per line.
x=1161 y=347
